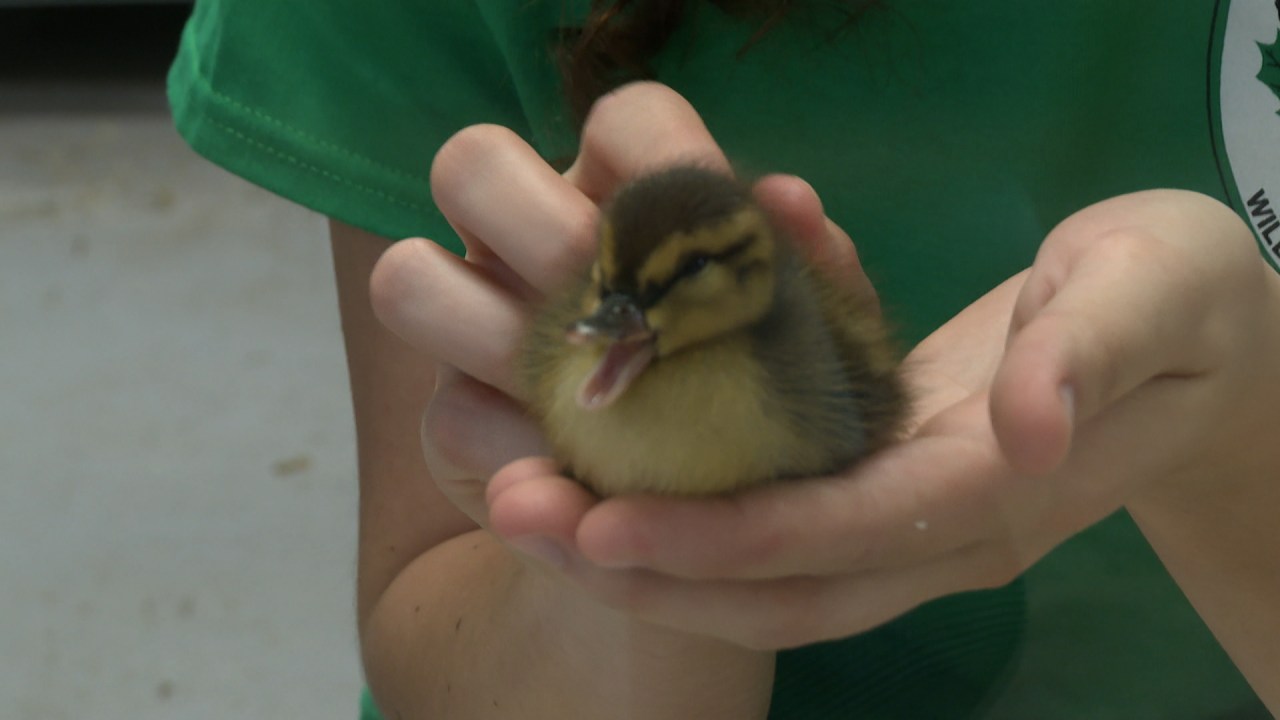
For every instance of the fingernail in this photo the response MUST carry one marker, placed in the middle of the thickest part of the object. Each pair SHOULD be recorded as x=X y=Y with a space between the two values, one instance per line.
x=1068 y=394
x=541 y=548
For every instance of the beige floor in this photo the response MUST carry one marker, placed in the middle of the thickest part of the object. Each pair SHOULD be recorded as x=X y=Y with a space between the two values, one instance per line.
x=177 y=502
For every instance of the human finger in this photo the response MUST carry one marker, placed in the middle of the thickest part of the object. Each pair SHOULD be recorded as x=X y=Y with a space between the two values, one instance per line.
x=419 y=290
x=639 y=128
x=504 y=199
x=794 y=206
x=1134 y=288
x=1113 y=318
x=476 y=427
x=469 y=431
x=1115 y=453
x=794 y=610
x=920 y=499
x=536 y=510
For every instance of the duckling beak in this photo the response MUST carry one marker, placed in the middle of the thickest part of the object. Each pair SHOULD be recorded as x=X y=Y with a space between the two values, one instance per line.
x=618 y=318
x=620 y=325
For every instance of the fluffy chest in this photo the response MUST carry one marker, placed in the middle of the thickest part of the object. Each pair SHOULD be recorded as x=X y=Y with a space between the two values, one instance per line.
x=699 y=422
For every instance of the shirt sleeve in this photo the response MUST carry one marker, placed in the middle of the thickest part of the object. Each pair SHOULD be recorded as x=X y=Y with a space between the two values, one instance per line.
x=340 y=105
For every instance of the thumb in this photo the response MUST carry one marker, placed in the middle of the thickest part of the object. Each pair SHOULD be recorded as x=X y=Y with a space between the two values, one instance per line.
x=470 y=429
x=1090 y=325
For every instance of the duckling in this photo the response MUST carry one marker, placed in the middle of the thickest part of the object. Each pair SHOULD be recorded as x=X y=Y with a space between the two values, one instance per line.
x=700 y=353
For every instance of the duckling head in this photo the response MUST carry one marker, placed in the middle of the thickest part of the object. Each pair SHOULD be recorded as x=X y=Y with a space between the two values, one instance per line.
x=685 y=258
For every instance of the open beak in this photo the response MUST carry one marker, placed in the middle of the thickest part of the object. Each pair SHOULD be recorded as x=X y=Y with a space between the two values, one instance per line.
x=620 y=326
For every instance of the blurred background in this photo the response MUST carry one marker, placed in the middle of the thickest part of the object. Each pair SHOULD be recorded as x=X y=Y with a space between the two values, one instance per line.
x=177 y=492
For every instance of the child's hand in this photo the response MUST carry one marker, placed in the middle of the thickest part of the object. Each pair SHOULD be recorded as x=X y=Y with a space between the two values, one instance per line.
x=526 y=228
x=1128 y=366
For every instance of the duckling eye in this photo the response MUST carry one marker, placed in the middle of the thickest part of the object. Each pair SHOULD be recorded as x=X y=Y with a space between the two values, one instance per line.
x=692 y=266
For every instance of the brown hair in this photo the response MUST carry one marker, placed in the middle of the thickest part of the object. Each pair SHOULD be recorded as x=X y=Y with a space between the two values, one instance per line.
x=619 y=37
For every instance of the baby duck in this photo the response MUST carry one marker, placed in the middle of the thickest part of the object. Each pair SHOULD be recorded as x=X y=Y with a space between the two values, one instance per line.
x=701 y=354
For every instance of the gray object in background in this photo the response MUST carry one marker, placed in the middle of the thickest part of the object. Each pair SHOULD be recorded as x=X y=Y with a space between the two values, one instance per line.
x=177 y=478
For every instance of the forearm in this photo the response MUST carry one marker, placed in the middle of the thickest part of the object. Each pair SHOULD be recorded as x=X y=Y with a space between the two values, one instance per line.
x=1213 y=524
x=467 y=631
x=1224 y=553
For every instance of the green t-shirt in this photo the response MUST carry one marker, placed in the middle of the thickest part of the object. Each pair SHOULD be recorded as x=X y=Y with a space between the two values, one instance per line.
x=946 y=137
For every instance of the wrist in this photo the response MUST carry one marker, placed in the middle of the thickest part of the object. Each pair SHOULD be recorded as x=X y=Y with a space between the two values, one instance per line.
x=656 y=671
x=469 y=623
x=1233 y=458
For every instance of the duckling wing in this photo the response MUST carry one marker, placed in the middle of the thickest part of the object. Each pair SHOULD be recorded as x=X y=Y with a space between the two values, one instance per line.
x=869 y=357
x=832 y=371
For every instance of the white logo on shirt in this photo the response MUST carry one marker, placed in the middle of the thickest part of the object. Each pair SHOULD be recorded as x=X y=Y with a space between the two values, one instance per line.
x=1249 y=113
